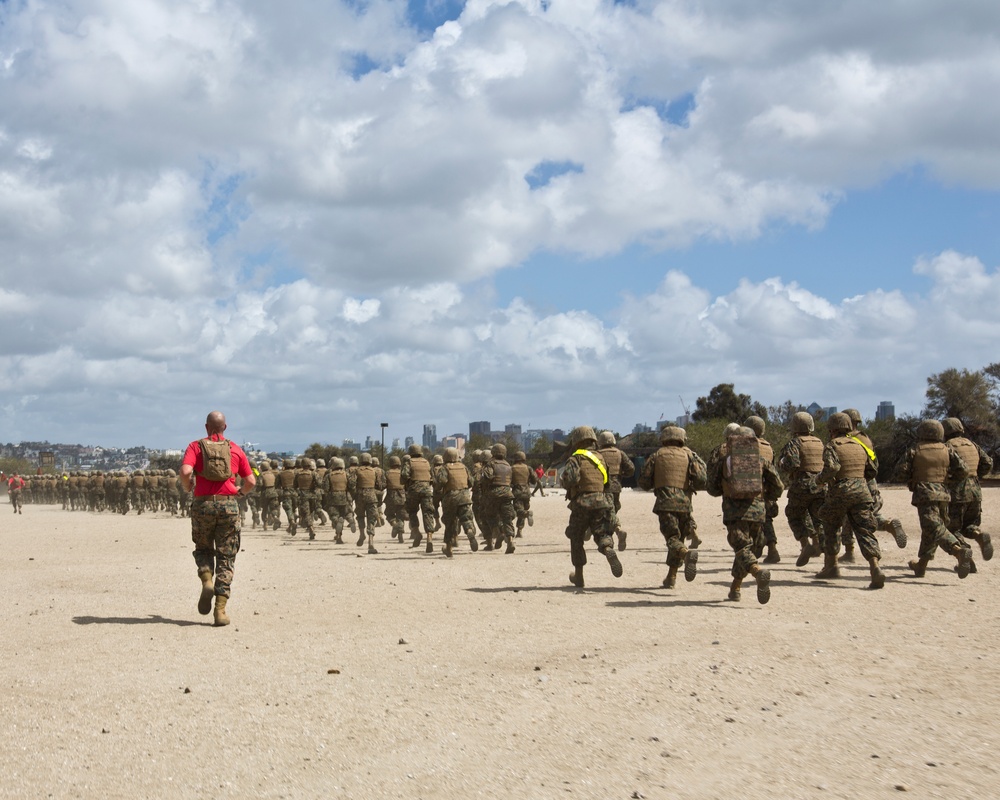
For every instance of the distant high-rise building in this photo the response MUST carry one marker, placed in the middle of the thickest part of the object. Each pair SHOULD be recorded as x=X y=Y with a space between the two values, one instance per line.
x=408 y=441
x=514 y=432
x=430 y=437
x=481 y=428
x=683 y=421
x=457 y=441
x=885 y=411
x=395 y=443
x=641 y=427
x=369 y=444
x=350 y=444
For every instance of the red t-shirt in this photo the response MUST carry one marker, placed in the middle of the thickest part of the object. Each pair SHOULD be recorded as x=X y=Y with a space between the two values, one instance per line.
x=16 y=482
x=239 y=465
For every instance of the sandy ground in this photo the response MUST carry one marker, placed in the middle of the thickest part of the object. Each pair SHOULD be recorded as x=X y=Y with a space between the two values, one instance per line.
x=408 y=675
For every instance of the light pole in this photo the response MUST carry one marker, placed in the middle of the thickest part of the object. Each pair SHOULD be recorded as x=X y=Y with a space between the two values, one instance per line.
x=384 y=425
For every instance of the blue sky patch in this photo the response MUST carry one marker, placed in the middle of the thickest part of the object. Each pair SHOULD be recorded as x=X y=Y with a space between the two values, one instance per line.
x=544 y=172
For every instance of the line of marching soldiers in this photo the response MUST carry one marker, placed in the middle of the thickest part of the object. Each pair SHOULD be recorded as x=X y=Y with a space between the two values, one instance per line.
x=442 y=493
x=112 y=491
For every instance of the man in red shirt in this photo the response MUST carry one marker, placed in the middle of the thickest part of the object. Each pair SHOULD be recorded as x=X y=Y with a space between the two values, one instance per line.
x=14 y=487
x=215 y=512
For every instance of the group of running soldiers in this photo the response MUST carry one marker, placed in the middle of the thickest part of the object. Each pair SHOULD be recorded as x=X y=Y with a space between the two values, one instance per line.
x=114 y=491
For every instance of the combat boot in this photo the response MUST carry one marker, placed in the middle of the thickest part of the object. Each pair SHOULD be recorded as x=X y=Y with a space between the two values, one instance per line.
x=878 y=577
x=221 y=618
x=361 y=538
x=964 y=556
x=371 y=544
x=473 y=544
x=352 y=521
x=531 y=518
x=510 y=546
x=446 y=548
x=919 y=567
x=430 y=544
x=576 y=577
x=805 y=553
x=985 y=545
x=763 y=578
x=207 y=591
x=613 y=562
x=417 y=537
x=848 y=557
x=690 y=565
x=622 y=540
x=772 y=556
x=734 y=590
x=898 y=533
x=830 y=568
x=339 y=538
x=671 y=580
x=695 y=541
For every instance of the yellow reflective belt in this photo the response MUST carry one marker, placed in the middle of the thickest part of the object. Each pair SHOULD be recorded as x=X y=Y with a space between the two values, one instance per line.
x=597 y=462
x=871 y=453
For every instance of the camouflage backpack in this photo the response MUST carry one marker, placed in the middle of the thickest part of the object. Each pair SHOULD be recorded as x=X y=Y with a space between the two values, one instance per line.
x=743 y=478
x=216 y=460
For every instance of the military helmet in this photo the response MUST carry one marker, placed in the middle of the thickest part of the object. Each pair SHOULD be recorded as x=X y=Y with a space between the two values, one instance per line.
x=375 y=461
x=519 y=457
x=366 y=459
x=450 y=455
x=839 y=421
x=336 y=463
x=485 y=456
x=582 y=434
x=138 y=473
x=499 y=450
x=953 y=427
x=264 y=466
x=320 y=462
x=309 y=463
x=394 y=461
x=673 y=433
x=606 y=439
x=415 y=450
x=756 y=424
x=288 y=464
x=274 y=463
x=170 y=473
x=930 y=430
x=855 y=417
x=300 y=462
x=353 y=461
x=438 y=460
x=803 y=422
x=731 y=429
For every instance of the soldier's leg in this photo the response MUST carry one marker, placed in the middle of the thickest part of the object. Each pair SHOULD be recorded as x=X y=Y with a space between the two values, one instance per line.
x=863 y=524
x=770 y=537
x=576 y=529
x=672 y=527
x=468 y=525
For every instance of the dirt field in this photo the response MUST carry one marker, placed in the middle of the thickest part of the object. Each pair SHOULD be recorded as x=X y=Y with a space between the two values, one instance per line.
x=408 y=675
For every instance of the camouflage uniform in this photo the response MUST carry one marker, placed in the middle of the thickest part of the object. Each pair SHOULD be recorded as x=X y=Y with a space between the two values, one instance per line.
x=416 y=475
x=395 y=498
x=965 y=509
x=498 y=499
x=619 y=466
x=768 y=536
x=801 y=461
x=590 y=508
x=846 y=467
x=882 y=523
x=743 y=517
x=927 y=469
x=337 y=491
x=267 y=491
x=288 y=493
x=364 y=484
x=522 y=476
x=674 y=473
x=454 y=480
x=305 y=483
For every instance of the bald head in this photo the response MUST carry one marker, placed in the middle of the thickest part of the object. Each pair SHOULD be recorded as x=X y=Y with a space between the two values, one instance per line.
x=215 y=423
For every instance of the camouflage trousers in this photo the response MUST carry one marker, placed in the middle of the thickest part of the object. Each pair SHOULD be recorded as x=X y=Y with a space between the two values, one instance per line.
x=307 y=509
x=420 y=498
x=675 y=527
x=16 y=499
x=803 y=517
x=340 y=512
x=270 y=508
x=499 y=516
x=395 y=510
x=215 y=531
x=965 y=518
x=933 y=531
x=288 y=504
x=862 y=523
x=741 y=535
x=367 y=510
x=522 y=505
x=584 y=523
x=616 y=503
x=455 y=516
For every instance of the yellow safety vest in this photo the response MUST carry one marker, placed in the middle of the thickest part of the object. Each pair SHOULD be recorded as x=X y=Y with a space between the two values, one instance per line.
x=597 y=462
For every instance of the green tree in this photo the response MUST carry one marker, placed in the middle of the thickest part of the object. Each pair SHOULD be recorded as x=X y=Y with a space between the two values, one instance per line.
x=723 y=403
x=968 y=395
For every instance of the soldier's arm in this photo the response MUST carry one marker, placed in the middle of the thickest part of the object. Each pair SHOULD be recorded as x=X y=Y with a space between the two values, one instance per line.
x=957 y=470
x=985 y=463
x=831 y=465
x=627 y=467
x=697 y=472
x=773 y=487
x=905 y=469
x=790 y=459
x=645 y=481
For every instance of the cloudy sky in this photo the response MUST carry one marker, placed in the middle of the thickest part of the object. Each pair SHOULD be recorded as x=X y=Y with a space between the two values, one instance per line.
x=317 y=215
